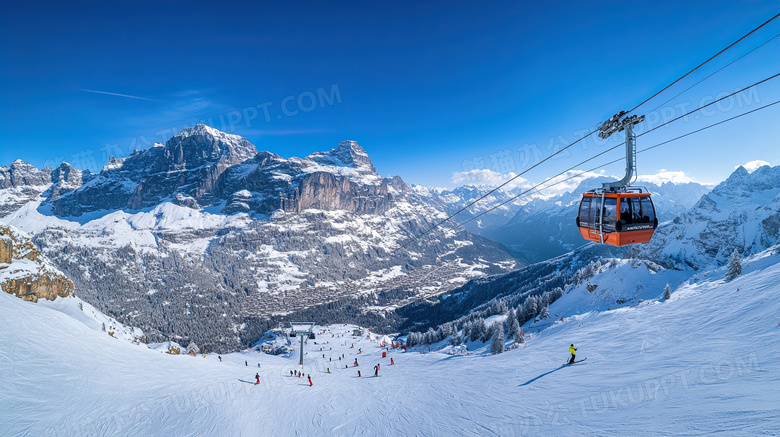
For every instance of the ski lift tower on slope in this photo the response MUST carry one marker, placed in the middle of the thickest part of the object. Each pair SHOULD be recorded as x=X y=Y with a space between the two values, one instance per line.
x=304 y=330
x=617 y=213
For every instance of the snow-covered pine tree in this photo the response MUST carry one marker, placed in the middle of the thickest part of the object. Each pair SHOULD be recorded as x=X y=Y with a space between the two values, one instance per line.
x=192 y=348
x=667 y=292
x=508 y=322
x=545 y=313
x=531 y=307
x=734 y=267
x=514 y=329
x=520 y=312
x=430 y=336
x=497 y=342
x=446 y=330
x=488 y=333
x=477 y=328
x=466 y=330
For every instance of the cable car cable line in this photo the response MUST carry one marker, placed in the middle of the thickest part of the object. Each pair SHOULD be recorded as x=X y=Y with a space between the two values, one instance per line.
x=496 y=189
x=702 y=64
x=708 y=104
x=714 y=73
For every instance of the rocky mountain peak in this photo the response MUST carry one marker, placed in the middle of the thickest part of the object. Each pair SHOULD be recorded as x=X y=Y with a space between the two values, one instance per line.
x=201 y=144
x=741 y=182
x=21 y=174
x=347 y=154
x=66 y=173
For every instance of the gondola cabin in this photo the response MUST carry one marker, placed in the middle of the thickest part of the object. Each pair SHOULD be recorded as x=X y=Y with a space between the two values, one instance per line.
x=617 y=218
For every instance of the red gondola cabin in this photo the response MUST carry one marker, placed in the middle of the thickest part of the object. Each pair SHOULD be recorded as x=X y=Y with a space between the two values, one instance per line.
x=617 y=218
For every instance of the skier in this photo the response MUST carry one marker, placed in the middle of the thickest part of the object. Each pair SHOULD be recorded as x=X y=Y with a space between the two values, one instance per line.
x=376 y=370
x=391 y=361
x=258 y=365
x=358 y=373
x=310 y=383
x=328 y=369
x=246 y=364
x=291 y=373
x=356 y=364
x=220 y=358
x=257 y=378
x=572 y=349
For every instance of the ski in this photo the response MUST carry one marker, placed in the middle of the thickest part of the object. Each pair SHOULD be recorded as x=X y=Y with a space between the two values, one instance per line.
x=578 y=361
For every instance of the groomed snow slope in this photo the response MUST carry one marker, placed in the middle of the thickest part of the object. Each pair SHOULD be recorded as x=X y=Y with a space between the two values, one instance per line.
x=705 y=362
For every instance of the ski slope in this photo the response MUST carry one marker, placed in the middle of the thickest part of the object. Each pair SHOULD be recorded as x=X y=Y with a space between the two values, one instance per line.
x=703 y=363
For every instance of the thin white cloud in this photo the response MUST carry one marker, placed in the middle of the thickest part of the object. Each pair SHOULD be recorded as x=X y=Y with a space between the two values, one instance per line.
x=754 y=165
x=663 y=176
x=122 y=95
x=487 y=177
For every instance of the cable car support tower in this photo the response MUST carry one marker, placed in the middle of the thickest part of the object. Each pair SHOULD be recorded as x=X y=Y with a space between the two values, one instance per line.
x=609 y=127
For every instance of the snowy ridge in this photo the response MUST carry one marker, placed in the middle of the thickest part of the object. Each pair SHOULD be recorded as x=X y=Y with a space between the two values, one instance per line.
x=742 y=213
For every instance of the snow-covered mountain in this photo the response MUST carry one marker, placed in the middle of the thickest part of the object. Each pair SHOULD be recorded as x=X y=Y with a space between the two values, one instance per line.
x=201 y=237
x=454 y=200
x=21 y=183
x=742 y=213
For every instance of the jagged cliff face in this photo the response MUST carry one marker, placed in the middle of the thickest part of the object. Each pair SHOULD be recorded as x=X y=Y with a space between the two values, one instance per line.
x=342 y=179
x=25 y=273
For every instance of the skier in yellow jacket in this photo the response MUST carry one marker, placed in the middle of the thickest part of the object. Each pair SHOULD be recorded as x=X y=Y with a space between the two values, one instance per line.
x=572 y=350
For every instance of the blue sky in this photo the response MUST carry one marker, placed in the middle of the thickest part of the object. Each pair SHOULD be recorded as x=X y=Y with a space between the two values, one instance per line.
x=429 y=90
